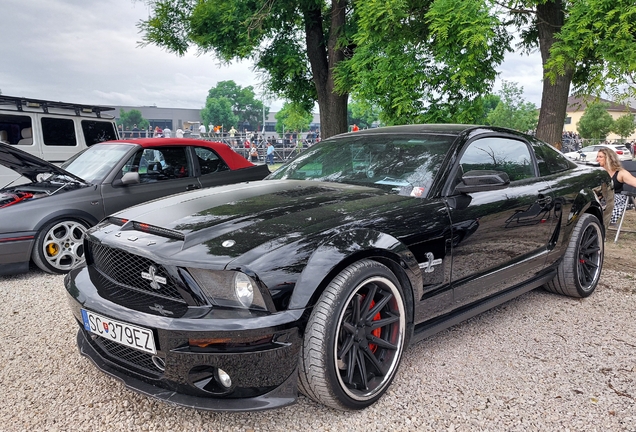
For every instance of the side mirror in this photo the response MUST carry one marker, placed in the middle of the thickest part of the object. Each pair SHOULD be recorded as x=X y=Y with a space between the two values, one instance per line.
x=127 y=179
x=482 y=180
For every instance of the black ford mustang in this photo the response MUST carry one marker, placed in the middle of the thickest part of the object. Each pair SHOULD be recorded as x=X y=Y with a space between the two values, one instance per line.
x=316 y=278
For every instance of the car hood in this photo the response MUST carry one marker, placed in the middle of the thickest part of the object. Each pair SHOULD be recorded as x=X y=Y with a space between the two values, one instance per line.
x=251 y=214
x=28 y=165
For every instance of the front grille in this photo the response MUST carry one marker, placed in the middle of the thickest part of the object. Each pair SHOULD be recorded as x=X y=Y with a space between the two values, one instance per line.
x=139 y=361
x=126 y=269
x=141 y=301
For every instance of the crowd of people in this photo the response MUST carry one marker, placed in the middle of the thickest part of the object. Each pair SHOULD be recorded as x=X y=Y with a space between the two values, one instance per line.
x=571 y=141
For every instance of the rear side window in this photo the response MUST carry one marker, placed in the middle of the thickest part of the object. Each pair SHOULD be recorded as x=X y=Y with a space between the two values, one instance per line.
x=58 y=132
x=209 y=161
x=98 y=131
x=549 y=159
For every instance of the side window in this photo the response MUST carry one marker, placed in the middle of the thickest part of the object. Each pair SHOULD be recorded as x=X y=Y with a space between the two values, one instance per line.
x=549 y=159
x=499 y=154
x=98 y=131
x=209 y=161
x=58 y=132
x=16 y=129
x=164 y=163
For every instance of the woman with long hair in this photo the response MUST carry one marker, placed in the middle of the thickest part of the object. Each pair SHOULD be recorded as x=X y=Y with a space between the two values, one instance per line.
x=608 y=160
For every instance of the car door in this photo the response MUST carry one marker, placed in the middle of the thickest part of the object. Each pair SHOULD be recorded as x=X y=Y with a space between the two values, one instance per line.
x=500 y=237
x=162 y=171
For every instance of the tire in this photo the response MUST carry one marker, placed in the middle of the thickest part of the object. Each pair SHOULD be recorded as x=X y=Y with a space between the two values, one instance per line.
x=354 y=338
x=59 y=246
x=580 y=270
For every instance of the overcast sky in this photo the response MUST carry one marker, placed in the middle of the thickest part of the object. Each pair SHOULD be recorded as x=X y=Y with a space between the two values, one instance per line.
x=86 y=51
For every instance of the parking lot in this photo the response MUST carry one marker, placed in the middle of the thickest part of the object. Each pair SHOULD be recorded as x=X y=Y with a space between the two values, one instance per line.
x=540 y=362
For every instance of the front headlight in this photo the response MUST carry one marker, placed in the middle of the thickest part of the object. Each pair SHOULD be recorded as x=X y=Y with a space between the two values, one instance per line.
x=243 y=289
x=229 y=288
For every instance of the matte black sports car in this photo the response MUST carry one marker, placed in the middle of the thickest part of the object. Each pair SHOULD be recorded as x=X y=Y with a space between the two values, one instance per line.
x=316 y=278
x=45 y=219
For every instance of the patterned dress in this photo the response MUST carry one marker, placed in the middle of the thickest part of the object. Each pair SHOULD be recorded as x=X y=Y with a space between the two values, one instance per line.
x=619 y=199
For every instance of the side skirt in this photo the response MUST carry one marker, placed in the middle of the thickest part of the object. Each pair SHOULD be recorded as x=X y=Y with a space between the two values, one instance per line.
x=429 y=328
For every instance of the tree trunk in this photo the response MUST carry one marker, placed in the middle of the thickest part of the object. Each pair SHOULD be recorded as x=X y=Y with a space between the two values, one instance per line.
x=323 y=59
x=554 y=99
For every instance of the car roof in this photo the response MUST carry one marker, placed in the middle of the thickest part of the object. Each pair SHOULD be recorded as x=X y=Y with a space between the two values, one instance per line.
x=451 y=129
x=233 y=159
x=597 y=147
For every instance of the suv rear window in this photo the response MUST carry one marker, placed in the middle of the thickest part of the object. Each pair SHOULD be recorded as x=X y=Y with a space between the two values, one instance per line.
x=58 y=132
x=98 y=131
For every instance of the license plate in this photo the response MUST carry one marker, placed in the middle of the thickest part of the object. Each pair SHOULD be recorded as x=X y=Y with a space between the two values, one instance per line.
x=129 y=335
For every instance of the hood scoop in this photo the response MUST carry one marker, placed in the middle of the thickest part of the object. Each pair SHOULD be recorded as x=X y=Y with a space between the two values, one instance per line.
x=150 y=229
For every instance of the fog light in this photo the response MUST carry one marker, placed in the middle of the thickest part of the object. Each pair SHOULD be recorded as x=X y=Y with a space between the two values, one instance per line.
x=224 y=378
x=159 y=362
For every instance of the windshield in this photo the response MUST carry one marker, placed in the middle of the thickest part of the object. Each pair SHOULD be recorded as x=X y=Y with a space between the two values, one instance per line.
x=94 y=163
x=401 y=164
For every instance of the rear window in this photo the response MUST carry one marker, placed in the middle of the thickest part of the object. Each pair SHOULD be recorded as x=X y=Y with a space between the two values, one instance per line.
x=58 y=132
x=96 y=131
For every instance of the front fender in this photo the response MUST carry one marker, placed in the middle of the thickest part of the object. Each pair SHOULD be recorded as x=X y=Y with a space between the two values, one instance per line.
x=66 y=214
x=341 y=250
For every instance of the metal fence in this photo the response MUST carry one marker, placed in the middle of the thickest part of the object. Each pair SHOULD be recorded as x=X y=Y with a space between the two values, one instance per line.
x=284 y=150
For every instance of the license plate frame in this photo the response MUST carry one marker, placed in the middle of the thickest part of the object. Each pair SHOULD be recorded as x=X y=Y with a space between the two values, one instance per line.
x=123 y=333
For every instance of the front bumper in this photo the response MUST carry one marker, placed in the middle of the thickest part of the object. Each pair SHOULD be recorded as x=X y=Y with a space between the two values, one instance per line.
x=262 y=366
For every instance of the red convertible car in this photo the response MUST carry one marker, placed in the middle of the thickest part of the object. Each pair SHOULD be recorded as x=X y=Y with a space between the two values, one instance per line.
x=44 y=220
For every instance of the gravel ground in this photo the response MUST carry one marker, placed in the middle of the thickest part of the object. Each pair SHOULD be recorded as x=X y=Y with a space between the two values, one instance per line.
x=538 y=363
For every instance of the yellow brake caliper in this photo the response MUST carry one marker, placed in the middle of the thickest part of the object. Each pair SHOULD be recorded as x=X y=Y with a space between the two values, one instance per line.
x=52 y=249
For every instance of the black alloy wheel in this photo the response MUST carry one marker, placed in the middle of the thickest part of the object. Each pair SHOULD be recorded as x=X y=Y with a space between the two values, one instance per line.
x=355 y=338
x=580 y=270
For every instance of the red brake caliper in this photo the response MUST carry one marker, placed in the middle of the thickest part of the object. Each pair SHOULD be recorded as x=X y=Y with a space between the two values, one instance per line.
x=377 y=332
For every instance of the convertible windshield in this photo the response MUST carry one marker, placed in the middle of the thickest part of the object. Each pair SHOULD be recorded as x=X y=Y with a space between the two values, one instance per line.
x=94 y=163
x=405 y=165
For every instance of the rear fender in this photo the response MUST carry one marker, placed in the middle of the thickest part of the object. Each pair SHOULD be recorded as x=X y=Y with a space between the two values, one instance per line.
x=586 y=201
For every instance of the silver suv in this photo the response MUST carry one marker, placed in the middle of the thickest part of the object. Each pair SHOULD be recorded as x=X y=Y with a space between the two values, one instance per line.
x=53 y=131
